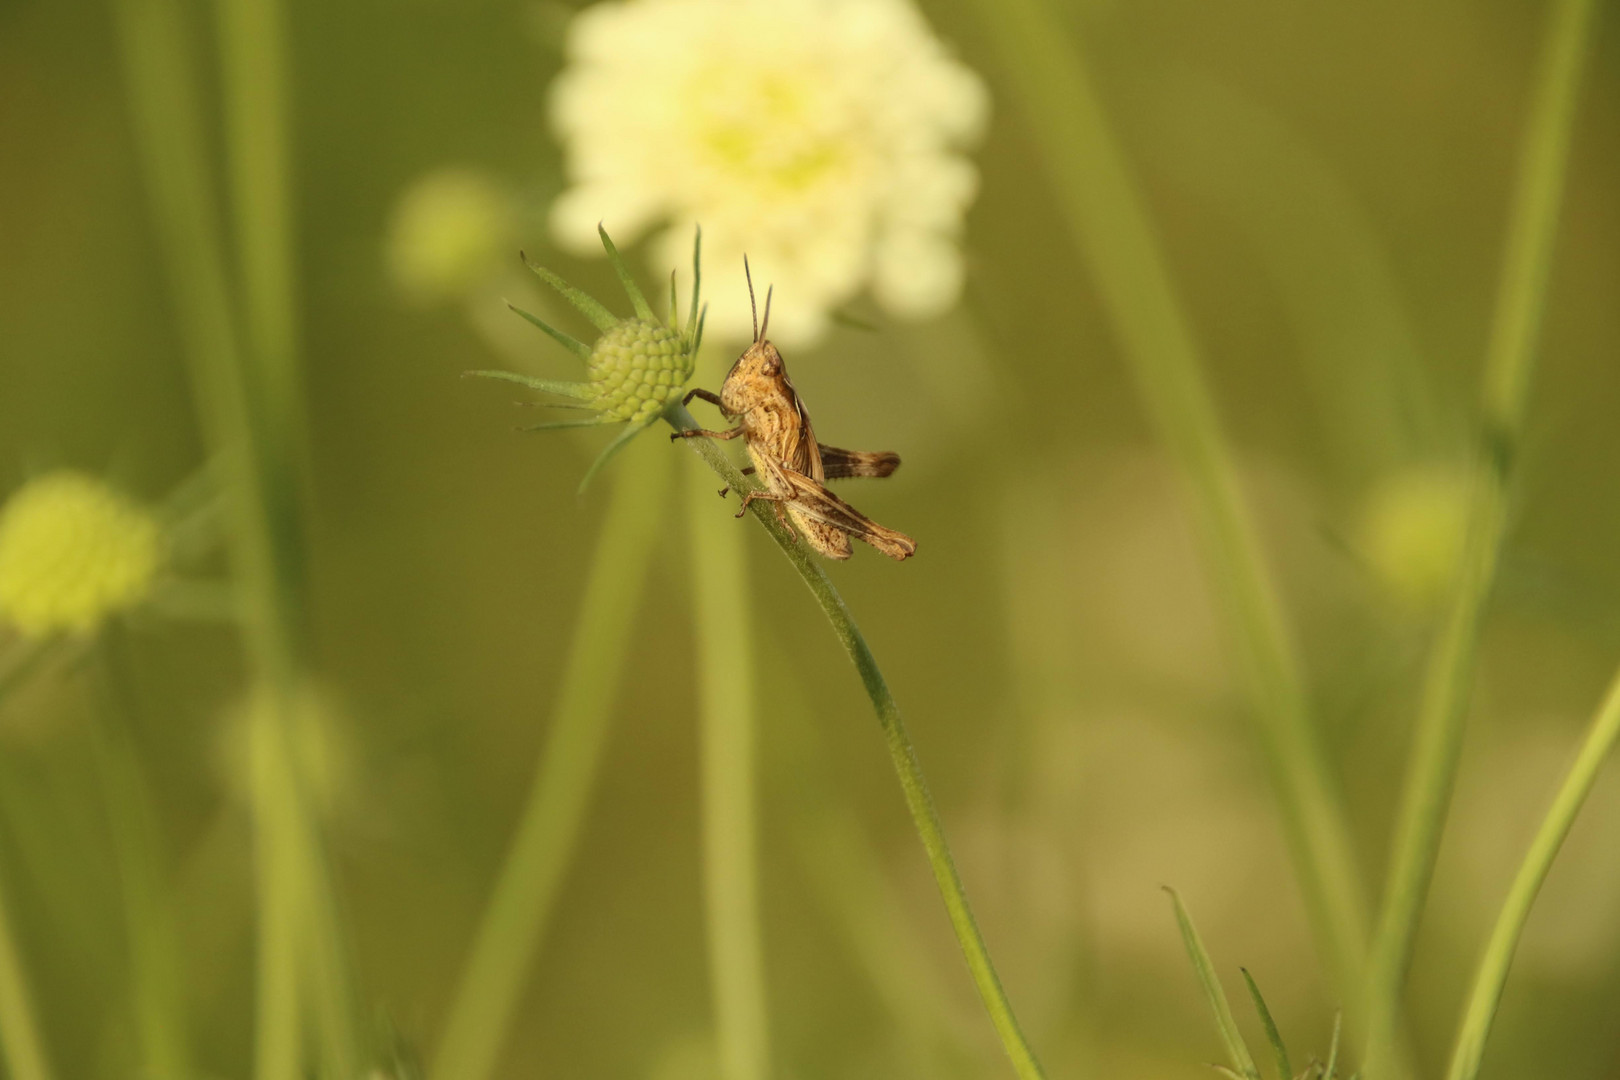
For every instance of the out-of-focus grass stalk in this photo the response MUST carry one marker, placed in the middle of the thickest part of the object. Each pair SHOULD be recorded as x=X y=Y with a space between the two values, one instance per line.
x=844 y=866
x=279 y=1034
x=21 y=1047
x=235 y=408
x=154 y=944
x=253 y=71
x=909 y=770
x=1112 y=231
x=1486 y=992
x=514 y=923
x=1509 y=363
x=726 y=711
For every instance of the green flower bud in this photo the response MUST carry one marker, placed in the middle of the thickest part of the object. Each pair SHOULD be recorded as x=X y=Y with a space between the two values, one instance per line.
x=637 y=368
x=638 y=365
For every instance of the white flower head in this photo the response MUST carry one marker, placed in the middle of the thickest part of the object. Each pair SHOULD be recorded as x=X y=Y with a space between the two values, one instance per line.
x=822 y=138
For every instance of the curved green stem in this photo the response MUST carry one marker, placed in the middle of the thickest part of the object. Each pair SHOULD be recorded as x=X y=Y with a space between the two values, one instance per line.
x=1498 y=956
x=1437 y=743
x=1114 y=234
x=514 y=923
x=727 y=722
x=155 y=956
x=906 y=766
x=21 y=1047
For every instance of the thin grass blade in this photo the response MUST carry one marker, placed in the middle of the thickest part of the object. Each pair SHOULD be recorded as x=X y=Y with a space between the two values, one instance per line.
x=579 y=390
x=1236 y=1048
x=697 y=280
x=587 y=305
x=1333 y=1050
x=630 y=432
x=1285 y=1071
x=572 y=344
x=558 y=425
x=703 y=317
x=631 y=289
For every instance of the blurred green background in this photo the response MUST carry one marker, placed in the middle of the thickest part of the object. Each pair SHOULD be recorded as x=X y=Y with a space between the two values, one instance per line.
x=1330 y=185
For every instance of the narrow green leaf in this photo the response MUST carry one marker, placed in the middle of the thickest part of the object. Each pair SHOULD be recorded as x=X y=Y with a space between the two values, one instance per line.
x=579 y=390
x=1331 y=1072
x=572 y=344
x=630 y=432
x=697 y=338
x=600 y=317
x=674 y=305
x=558 y=425
x=1236 y=1049
x=697 y=281
x=1224 y=1071
x=637 y=301
x=1285 y=1071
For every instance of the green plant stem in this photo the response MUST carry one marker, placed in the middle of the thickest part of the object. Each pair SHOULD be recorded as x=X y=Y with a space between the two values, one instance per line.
x=1437 y=741
x=235 y=410
x=1486 y=992
x=846 y=868
x=909 y=770
x=21 y=1047
x=1113 y=233
x=278 y=881
x=155 y=954
x=253 y=67
x=726 y=711
x=514 y=923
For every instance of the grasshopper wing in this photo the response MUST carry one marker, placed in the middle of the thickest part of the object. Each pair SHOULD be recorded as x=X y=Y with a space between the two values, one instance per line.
x=842 y=464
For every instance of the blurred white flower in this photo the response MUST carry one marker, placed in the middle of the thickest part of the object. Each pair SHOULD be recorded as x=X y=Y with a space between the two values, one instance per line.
x=822 y=138
x=450 y=231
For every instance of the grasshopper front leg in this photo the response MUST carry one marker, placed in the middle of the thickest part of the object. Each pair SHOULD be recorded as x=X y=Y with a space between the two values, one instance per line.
x=705 y=395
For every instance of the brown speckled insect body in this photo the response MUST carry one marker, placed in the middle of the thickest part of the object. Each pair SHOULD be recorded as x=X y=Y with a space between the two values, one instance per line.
x=791 y=465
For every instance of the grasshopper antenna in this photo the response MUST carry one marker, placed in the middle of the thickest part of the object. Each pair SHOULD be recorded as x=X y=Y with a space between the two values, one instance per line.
x=764 y=326
x=751 y=306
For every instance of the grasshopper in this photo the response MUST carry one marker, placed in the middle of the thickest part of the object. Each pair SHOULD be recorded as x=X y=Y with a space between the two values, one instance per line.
x=790 y=463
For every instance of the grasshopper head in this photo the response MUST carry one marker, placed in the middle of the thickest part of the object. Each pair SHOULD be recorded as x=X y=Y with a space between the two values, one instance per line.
x=760 y=367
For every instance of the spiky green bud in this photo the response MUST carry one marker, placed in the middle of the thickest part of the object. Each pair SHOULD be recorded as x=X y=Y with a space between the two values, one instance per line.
x=637 y=368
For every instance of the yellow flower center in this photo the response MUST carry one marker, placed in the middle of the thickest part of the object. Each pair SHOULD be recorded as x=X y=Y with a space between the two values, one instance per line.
x=72 y=552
